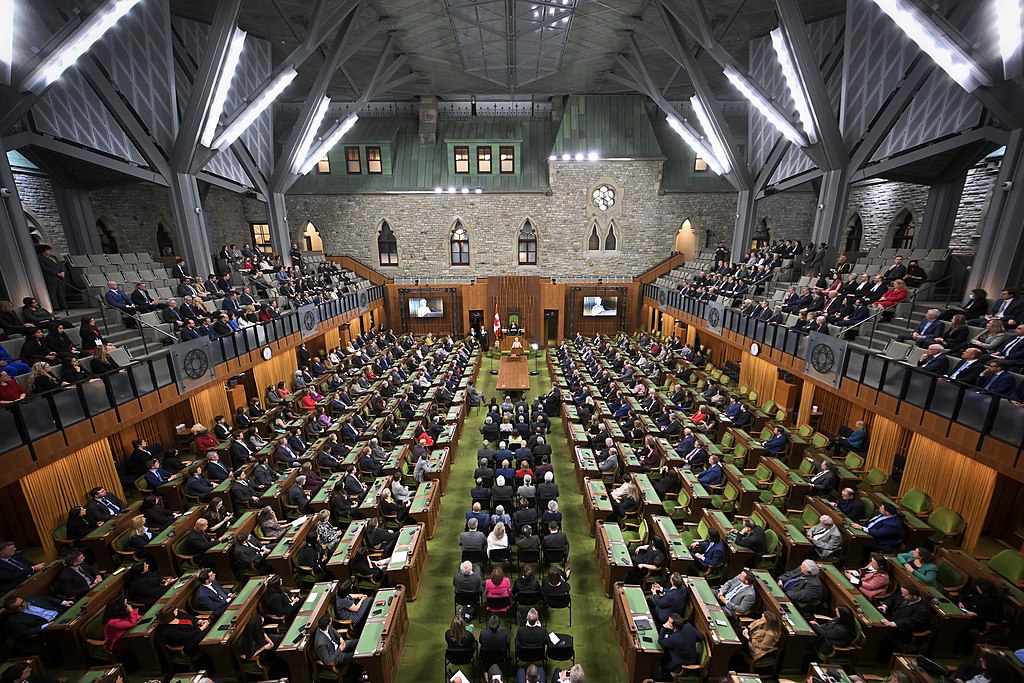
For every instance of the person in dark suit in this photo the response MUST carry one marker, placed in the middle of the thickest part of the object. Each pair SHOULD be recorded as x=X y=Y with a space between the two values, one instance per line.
x=776 y=445
x=329 y=646
x=1012 y=352
x=262 y=476
x=927 y=330
x=1008 y=307
x=824 y=480
x=102 y=505
x=678 y=639
x=969 y=369
x=215 y=469
x=297 y=496
x=14 y=568
x=886 y=528
x=896 y=271
x=532 y=633
x=850 y=504
x=243 y=493
x=996 y=380
x=713 y=475
x=555 y=542
x=468 y=579
x=199 y=540
x=710 y=552
x=934 y=360
x=752 y=537
x=905 y=612
x=27 y=617
x=803 y=586
x=156 y=475
x=840 y=631
x=211 y=596
x=198 y=486
x=76 y=578
x=664 y=602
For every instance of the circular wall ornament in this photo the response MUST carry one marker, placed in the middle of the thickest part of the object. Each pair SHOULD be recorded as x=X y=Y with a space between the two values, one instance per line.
x=604 y=197
x=823 y=359
x=714 y=317
x=267 y=353
x=196 y=363
x=755 y=349
x=308 y=320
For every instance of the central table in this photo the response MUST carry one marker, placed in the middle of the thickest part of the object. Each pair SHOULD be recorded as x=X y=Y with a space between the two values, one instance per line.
x=513 y=373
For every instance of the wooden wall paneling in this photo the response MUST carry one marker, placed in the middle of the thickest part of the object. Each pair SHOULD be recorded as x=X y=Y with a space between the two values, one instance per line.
x=209 y=403
x=758 y=376
x=279 y=368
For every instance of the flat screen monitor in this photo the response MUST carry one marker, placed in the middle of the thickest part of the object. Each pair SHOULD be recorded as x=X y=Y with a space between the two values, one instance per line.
x=594 y=306
x=426 y=308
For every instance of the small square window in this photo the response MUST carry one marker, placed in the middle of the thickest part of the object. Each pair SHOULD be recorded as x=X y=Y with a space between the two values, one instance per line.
x=261 y=237
x=699 y=165
x=352 y=160
x=373 y=163
x=508 y=159
x=483 y=160
x=323 y=167
x=462 y=159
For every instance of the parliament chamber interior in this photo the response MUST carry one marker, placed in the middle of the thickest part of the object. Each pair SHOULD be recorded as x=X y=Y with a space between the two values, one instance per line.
x=477 y=341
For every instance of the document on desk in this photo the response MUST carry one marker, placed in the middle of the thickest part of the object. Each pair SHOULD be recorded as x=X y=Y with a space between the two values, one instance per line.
x=399 y=557
x=299 y=521
x=642 y=623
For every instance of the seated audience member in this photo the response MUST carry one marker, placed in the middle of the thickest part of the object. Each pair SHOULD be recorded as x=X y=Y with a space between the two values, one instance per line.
x=678 y=639
x=710 y=552
x=837 y=632
x=872 y=580
x=921 y=563
x=825 y=536
x=737 y=595
x=803 y=585
x=886 y=528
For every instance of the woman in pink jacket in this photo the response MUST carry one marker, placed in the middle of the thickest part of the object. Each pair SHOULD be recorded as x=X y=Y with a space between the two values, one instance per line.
x=118 y=619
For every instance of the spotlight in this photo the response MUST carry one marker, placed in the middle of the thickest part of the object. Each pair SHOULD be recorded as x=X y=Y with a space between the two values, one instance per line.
x=465 y=190
x=566 y=157
x=438 y=190
x=592 y=156
x=579 y=157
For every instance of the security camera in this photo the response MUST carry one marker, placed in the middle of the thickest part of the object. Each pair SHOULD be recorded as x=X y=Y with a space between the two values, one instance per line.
x=5 y=191
x=198 y=210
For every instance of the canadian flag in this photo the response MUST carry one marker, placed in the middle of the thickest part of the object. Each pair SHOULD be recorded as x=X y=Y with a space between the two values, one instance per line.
x=497 y=322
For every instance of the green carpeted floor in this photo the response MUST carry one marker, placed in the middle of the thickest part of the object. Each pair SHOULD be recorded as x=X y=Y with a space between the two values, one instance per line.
x=430 y=614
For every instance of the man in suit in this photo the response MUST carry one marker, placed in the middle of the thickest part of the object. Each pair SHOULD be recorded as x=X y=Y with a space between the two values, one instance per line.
x=737 y=595
x=896 y=271
x=905 y=612
x=240 y=451
x=775 y=446
x=996 y=380
x=143 y=300
x=825 y=480
x=850 y=504
x=297 y=496
x=825 y=536
x=14 y=568
x=1012 y=352
x=189 y=332
x=532 y=633
x=713 y=475
x=102 y=505
x=926 y=331
x=248 y=552
x=172 y=315
x=885 y=527
x=215 y=469
x=329 y=646
x=472 y=540
x=155 y=475
x=817 y=263
x=211 y=596
x=934 y=361
x=284 y=453
x=803 y=586
x=118 y=299
x=678 y=639
x=198 y=541
x=351 y=484
x=686 y=445
x=198 y=486
x=744 y=418
x=708 y=553
x=969 y=369
x=483 y=519
x=1009 y=308
x=262 y=476
x=468 y=579
x=664 y=602
x=221 y=327
x=180 y=270
x=185 y=288
x=556 y=542
x=243 y=493
x=751 y=537
x=27 y=618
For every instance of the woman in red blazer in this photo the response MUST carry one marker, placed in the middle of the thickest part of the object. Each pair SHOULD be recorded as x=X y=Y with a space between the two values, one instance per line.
x=895 y=294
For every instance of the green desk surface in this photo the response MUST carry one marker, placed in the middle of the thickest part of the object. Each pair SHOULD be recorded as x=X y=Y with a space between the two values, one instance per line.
x=628 y=455
x=341 y=551
x=372 y=497
x=650 y=495
x=306 y=611
x=704 y=592
x=648 y=640
x=99 y=673
x=422 y=498
x=676 y=545
x=165 y=535
x=227 y=619
x=792 y=531
x=104 y=528
x=721 y=628
x=150 y=615
x=585 y=458
x=864 y=607
x=287 y=541
x=617 y=545
x=405 y=541
x=599 y=494
x=324 y=494
x=792 y=617
x=577 y=433
x=696 y=487
x=739 y=478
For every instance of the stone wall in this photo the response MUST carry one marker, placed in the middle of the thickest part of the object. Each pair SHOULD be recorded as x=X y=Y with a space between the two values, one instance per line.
x=879 y=202
x=974 y=203
x=790 y=215
x=37 y=200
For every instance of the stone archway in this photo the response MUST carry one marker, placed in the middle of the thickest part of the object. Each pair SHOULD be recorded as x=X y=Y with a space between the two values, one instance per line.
x=685 y=241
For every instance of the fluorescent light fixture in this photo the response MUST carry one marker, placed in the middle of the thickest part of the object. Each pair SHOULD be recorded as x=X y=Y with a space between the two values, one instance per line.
x=333 y=137
x=696 y=144
x=566 y=157
x=766 y=107
x=465 y=190
x=1008 y=19
x=76 y=45
x=795 y=84
x=941 y=48
x=438 y=190
x=451 y=190
x=301 y=154
x=255 y=109
x=593 y=156
x=223 y=86
x=6 y=38
x=721 y=155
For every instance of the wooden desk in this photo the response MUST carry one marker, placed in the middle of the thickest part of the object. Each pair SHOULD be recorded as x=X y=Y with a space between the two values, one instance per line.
x=585 y=465
x=219 y=556
x=799 y=488
x=796 y=547
x=576 y=434
x=597 y=504
x=711 y=620
x=857 y=542
x=338 y=564
x=738 y=555
x=369 y=506
x=700 y=499
x=297 y=647
x=440 y=468
x=949 y=619
x=842 y=592
x=650 y=501
x=100 y=539
x=679 y=557
x=799 y=634
x=282 y=558
x=322 y=499
x=65 y=632
x=382 y=640
x=408 y=561
x=103 y=674
x=161 y=547
x=976 y=570
x=748 y=491
x=38 y=583
x=638 y=650
x=141 y=638
x=613 y=560
x=908 y=665
x=513 y=373
x=219 y=641
x=425 y=508
x=276 y=493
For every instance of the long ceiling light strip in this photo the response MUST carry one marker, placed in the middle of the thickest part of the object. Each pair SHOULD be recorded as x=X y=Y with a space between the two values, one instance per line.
x=795 y=84
x=255 y=109
x=767 y=109
x=328 y=143
x=77 y=44
x=940 y=47
x=696 y=144
x=302 y=153
x=717 y=144
x=223 y=86
x=1008 y=19
x=6 y=39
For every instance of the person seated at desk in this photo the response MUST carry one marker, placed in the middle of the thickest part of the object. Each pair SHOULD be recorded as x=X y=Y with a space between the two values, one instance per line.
x=850 y=504
x=157 y=517
x=678 y=639
x=118 y=619
x=737 y=595
x=14 y=568
x=921 y=564
x=243 y=493
x=367 y=464
x=343 y=508
x=990 y=667
x=284 y=455
x=351 y=484
x=803 y=585
x=255 y=644
x=839 y=631
x=776 y=446
x=297 y=497
x=851 y=440
x=28 y=617
x=215 y=469
x=179 y=628
x=905 y=613
x=78 y=524
x=379 y=538
x=249 y=553
x=647 y=558
x=664 y=602
x=76 y=578
x=763 y=635
x=713 y=475
x=872 y=580
x=210 y=595
x=667 y=483
x=103 y=505
x=353 y=607
x=825 y=480
x=327 y=535
x=330 y=649
x=825 y=537
x=362 y=565
x=197 y=486
x=217 y=515
x=313 y=555
x=139 y=535
x=710 y=552
x=199 y=540
x=279 y=603
x=751 y=537
x=886 y=528
x=625 y=500
x=982 y=602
